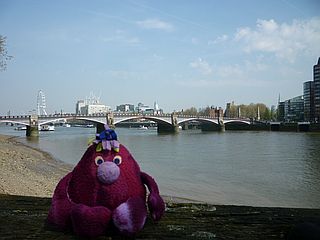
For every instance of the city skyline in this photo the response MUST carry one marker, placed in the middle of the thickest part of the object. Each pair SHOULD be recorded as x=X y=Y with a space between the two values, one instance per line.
x=179 y=54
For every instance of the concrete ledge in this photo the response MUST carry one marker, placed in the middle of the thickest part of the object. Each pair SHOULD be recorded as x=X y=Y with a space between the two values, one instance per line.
x=23 y=217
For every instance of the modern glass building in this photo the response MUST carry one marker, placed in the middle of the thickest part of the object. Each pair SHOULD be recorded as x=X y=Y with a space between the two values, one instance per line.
x=280 y=111
x=316 y=81
x=294 y=109
x=308 y=96
x=125 y=108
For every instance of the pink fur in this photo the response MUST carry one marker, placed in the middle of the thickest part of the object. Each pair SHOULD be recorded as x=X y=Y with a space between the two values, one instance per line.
x=86 y=201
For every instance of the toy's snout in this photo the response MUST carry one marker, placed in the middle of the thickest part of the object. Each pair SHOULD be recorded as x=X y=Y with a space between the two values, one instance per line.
x=108 y=172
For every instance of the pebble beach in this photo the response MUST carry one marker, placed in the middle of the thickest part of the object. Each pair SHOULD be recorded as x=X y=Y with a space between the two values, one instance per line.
x=27 y=171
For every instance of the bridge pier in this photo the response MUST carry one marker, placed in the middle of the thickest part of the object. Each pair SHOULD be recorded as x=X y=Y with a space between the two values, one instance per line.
x=222 y=126
x=166 y=128
x=33 y=128
x=172 y=128
x=109 y=121
x=211 y=127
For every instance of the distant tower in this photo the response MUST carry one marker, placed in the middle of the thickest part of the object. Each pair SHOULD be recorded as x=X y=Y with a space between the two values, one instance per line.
x=258 y=114
x=41 y=103
x=156 y=109
x=155 y=106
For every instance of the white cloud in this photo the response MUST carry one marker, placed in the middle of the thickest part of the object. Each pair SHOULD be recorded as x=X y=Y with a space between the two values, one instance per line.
x=122 y=37
x=286 y=41
x=219 y=39
x=202 y=66
x=155 y=24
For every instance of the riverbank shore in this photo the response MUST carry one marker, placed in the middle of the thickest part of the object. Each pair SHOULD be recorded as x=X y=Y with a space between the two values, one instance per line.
x=27 y=171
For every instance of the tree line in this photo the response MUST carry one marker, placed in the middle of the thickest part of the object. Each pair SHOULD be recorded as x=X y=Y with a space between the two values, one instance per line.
x=234 y=111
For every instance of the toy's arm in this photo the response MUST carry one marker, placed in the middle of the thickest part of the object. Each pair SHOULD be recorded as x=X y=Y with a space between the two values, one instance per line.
x=155 y=202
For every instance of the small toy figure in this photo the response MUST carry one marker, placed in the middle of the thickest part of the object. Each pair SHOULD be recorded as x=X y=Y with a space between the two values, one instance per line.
x=105 y=191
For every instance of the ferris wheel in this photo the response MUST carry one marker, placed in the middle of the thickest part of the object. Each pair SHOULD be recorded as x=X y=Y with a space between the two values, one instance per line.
x=41 y=103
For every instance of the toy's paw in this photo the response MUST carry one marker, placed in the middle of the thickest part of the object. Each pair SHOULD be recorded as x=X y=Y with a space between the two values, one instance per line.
x=130 y=216
x=90 y=221
x=59 y=213
x=156 y=206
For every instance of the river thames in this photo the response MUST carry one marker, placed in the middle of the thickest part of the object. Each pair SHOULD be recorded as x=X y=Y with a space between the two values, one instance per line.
x=258 y=168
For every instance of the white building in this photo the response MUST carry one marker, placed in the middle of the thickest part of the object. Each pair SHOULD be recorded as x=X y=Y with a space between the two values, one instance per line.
x=148 y=110
x=144 y=108
x=95 y=109
x=91 y=105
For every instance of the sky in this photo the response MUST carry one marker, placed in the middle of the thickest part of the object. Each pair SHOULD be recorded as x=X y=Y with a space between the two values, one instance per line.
x=178 y=53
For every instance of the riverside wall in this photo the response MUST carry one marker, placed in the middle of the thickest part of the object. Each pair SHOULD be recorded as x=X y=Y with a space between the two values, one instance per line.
x=278 y=127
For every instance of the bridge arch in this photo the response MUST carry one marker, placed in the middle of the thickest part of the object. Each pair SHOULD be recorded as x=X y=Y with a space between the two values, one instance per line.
x=236 y=121
x=92 y=120
x=52 y=121
x=164 y=124
x=14 y=122
x=235 y=125
x=201 y=120
x=206 y=124
x=152 y=118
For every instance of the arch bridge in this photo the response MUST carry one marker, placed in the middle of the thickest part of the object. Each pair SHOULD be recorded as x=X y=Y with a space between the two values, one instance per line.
x=165 y=122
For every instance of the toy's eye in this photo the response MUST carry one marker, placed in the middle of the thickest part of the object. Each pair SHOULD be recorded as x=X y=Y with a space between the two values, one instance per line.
x=117 y=160
x=98 y=160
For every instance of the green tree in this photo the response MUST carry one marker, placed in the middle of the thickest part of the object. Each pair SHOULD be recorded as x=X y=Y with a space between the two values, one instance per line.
x=266 y=114
x=233 y=111
x=251 y=111
x=4 y=57
x=205 y=111
x=190 y=111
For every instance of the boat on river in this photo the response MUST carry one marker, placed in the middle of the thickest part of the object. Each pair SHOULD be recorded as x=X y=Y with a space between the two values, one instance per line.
x=47 y=128
x=20 y=128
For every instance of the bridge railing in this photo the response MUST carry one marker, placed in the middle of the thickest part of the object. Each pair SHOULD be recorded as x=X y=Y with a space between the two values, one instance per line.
x=238 y=118
x=14 y=117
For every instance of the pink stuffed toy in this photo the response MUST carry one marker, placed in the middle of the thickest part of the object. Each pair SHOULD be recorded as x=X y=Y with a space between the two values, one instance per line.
x=106 y=190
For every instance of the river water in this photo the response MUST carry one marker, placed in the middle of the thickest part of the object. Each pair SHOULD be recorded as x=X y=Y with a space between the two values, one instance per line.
x=278 y=169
